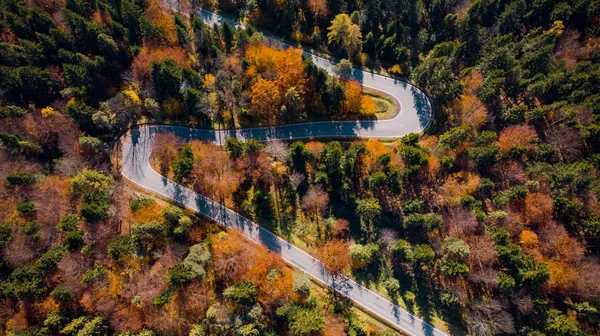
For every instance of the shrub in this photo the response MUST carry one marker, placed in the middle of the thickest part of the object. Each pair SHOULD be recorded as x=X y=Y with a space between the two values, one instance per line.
x=61 y=294
x=243 y=293
x=26 y=207
x=140 y=203
x=21 y=178
x=31 y=229
x=121 y=245
x=74 y=240
x=94 y=273
x=68 y=223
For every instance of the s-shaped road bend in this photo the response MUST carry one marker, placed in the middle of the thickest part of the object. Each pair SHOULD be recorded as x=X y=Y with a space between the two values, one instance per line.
x=414 y=116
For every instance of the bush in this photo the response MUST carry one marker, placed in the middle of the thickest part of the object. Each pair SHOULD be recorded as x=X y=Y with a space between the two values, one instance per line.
x=121 y=245
x=301 y=283
x=31 y=229
x=51 y=258
x=26 y=207
x=94 y=273
x=243 y=293
x=68 y=223
x=21 y=178
x=140 y=203
x=180 y=275
x=74 y=240
x=12 y=111
x=61 y=294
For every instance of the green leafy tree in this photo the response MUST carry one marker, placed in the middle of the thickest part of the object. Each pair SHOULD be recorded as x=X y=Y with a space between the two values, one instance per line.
x=243 y=293
x=183 y=164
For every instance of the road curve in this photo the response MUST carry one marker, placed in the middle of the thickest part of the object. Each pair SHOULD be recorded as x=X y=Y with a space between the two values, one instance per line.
x=414 y=116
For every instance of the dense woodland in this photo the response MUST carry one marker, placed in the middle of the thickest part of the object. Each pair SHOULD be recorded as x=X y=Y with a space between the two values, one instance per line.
x=489 y=223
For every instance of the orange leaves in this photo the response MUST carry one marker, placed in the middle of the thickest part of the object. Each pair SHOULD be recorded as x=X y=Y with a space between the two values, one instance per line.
x=353 y=101
x=538 y=209
x=563 y=277
x=150 y=213
x=457 y=185
x=163 y=18
x=375 y=149
x=217 y=176
x=472 y=112
x=266 y=100
x=516 y=136
x=334 y=254
x=141 y=63
x=468 y=111
x=236 y=261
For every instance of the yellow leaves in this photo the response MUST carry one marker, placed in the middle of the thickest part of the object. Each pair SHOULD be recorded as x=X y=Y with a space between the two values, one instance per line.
x=368 y=107
x=71 y=101
x=396 y=69
x=115 y=283
x=279 y=168
x=375 y=149
x=173 y=107
x=558 y=26
x=162 y=18
x=47 y=111
x=563 y=277
x=345 y=33
x=132 y=95
x=49 y=305
x=529 y=239
x=209 y=82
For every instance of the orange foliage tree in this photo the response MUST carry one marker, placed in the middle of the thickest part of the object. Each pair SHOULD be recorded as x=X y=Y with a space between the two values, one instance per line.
x=266 y=100
x=538 y=209
x=516 y=136
x=141 y=64
x=334 y=254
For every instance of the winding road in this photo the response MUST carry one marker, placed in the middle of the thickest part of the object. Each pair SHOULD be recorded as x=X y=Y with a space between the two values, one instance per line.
x=415 y=115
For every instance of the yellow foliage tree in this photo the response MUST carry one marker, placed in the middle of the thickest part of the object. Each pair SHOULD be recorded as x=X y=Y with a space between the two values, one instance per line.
x=345 y=34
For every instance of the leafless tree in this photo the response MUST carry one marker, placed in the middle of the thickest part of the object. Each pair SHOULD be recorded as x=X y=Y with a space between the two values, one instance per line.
x=278 y=150
x=489 y=318
x=386 y=237
x=567 y=140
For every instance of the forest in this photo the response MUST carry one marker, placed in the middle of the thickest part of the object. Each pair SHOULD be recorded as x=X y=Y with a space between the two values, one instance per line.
x=487 y=223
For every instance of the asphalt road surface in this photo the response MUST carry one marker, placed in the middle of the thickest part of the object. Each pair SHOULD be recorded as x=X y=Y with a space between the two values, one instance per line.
x=415 y=115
